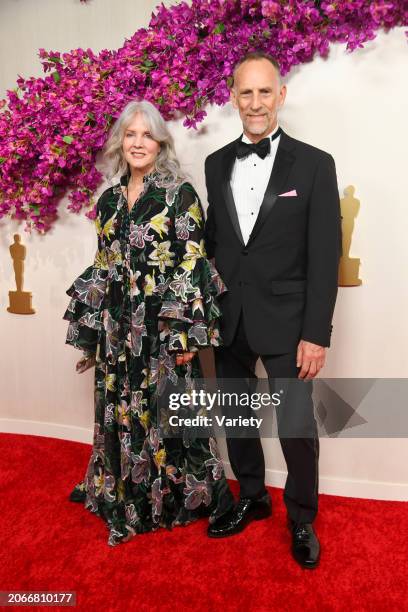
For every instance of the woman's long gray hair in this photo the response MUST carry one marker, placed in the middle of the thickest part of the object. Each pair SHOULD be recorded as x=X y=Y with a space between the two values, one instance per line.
x=166 y=164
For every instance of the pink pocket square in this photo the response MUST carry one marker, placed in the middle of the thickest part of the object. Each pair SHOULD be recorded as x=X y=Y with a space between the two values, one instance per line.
x=288 y=194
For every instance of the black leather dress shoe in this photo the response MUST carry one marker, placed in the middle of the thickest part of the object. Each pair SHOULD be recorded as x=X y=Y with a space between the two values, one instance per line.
x=245 y=511
x=305 y=545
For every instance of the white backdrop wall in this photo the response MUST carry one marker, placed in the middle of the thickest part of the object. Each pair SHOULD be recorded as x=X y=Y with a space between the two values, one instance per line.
x=352 y=105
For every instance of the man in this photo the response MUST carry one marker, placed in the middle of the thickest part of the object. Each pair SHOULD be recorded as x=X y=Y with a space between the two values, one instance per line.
x=273 y=229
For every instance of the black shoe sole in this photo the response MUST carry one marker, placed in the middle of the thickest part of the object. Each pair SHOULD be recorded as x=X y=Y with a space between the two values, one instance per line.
x=308 y=565
x=305 y=565
x=259 y=516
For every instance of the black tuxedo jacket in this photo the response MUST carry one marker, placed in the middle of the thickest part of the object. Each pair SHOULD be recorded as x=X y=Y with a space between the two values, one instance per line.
x=285 y=277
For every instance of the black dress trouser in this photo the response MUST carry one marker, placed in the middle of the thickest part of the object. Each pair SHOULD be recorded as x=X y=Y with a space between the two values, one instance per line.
x=238 y=361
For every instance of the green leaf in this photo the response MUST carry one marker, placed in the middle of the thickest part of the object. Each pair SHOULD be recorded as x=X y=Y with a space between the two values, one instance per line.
x=56 y=76
x=36 y=208
x=68 y=139
x=2 y=159
x=56 y=60
x=90 y=118
x=147 y=65
x=219 y=28
x=187 y=90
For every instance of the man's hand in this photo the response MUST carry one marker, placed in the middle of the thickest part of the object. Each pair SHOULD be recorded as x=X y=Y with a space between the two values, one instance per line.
x=184 y=357
x=310 y=359
x=85 y=363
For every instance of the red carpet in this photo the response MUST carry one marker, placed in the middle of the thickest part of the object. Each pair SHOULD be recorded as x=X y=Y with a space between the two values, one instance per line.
x=49 y=543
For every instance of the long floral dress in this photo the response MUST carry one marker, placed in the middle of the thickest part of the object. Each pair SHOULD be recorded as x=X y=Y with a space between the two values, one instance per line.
x=150 y=292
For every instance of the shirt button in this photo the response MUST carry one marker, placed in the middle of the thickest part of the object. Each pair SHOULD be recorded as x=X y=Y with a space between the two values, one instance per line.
x=252 y=188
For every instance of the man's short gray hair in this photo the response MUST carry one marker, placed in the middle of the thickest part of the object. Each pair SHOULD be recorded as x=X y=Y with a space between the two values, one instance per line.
x=256 y=55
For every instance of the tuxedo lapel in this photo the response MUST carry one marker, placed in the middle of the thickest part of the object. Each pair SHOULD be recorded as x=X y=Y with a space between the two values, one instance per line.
x=281 y=166
x=227 y=164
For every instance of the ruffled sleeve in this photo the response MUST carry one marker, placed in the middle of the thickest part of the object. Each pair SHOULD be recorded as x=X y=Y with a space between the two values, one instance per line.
x=84 y=311
x=190 y=307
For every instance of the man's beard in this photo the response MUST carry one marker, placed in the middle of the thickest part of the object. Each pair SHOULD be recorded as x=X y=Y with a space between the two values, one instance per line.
x=256 y=129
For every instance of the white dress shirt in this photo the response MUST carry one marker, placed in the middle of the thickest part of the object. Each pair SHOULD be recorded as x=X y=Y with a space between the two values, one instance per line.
x=249 y=180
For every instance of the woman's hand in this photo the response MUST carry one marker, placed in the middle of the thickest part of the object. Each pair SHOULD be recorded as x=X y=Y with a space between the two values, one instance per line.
x=85 y=363
x=185 y=357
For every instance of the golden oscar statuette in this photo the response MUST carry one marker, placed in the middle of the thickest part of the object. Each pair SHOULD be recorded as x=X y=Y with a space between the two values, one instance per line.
x=20 y=301
x=349 y=266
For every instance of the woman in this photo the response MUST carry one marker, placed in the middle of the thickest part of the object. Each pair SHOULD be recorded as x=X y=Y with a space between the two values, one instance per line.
x=140 y=313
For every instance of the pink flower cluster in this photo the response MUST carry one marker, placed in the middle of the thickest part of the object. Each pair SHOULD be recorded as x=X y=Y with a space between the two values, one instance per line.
x=51 y=128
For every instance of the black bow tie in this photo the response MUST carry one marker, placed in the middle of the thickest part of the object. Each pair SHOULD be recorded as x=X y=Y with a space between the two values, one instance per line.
x=261 y=148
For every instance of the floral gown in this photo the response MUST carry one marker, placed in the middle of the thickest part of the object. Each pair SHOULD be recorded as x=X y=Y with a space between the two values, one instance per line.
x=150 y=292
